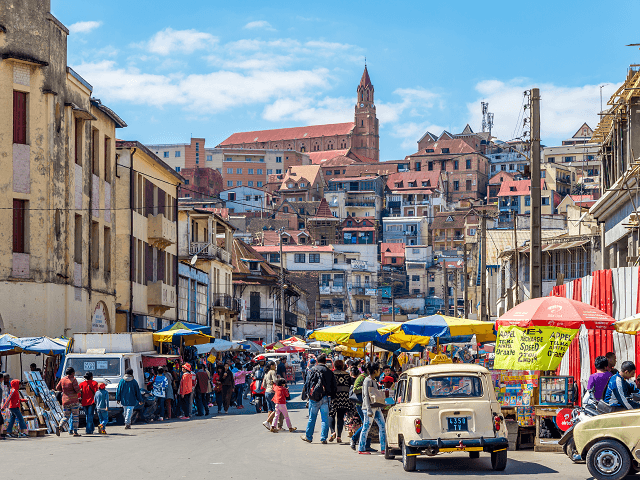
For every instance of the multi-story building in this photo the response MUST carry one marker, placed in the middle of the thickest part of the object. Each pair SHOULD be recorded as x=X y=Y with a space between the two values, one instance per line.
x=361 y=135
x=507 y=157
x=408 y=230
x=414 y=194
x=559 y=178
x=355 y=196
x=448 y=230
x=182 y=155
x=246 y=199
x=193 y=295
x=201 y=183
x=302 y=183
x=323 y=226
x=208 y=236
x=362 y=230
x=464 y=172
x=392 y=255
x=58 y=157
x=495 y=184
x=146 y=231
x=476 y=140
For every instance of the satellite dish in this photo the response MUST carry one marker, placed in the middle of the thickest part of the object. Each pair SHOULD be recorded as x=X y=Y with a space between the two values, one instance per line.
x=194 y=259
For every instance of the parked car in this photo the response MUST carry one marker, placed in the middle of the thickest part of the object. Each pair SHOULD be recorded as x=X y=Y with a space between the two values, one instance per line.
x=446 y=408
x=610 y=444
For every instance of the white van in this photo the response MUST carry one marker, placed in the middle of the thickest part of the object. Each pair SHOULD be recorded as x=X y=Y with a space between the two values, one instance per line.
x=292 y=360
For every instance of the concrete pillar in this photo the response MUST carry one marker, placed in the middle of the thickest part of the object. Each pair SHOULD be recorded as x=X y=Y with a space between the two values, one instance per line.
x=613 y=255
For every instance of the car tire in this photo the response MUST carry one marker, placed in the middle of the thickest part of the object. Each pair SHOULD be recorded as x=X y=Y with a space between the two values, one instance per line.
x=608 y=459
x=408 y=460
x=388 y=453
x=474 y=455
x=499 y=460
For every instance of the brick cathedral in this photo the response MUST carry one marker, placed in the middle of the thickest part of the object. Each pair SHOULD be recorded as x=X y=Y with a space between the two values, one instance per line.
x=361 y=135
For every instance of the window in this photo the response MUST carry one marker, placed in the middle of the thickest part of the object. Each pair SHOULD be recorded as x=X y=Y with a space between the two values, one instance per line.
x=77 y=250
x=512 y=166
x=209 y=158
x=177 y=154
x=229 y=183
x=231 y=196
x=415 y=278
x=468 y=185
x=239 y=183
x=259 y=184
x=453 y=387
x=445 y=150
x=456 y=185
x=230 y=170
x=95 y=245
x=238 y=171
x=250 y=172
x=259 y=171
x=186 y=182
x=285 y=209
x=20 y=226
x=302 y=184
x=261 y=160
x=250 y=183
x=394 y=260
x=228 y=159
x=432 y=291
x=503 y=168
x=472 y=231
x=468 y=164
x=274 y=257
x=545 y=200
x=278 y=171
x=269 y=171
x=197 y=146
x=78 y=140
x=248 y=159
x=95 y=151
x=551 y=159
x=527 y=201
x=314 y=258
x=19 y=117
x=299 y=258
x=543 y=174
x=166 y=154
x=278 y=159
x=568 y=159
x=455 y=164
x=418 y=167
x=430 y=166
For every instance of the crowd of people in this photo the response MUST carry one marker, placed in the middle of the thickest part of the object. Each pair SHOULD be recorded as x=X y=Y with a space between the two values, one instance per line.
x=614 y=388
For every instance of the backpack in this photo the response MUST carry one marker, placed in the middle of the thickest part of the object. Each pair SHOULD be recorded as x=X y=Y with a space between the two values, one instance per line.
x=316 y=385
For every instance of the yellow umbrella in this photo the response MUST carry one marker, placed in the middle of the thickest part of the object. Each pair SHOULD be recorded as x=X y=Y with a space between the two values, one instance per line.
x=630 y=325
x=354 y=352
x=189 y=337
x=348 y=333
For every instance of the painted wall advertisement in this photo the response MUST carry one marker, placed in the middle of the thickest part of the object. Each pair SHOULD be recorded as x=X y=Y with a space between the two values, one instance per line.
x=99 y=320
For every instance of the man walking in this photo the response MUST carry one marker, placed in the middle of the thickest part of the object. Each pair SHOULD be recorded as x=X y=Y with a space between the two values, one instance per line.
x=70 y=389
x=319 y=387
x=128 y=395
x=88 y=390
x=203 y=388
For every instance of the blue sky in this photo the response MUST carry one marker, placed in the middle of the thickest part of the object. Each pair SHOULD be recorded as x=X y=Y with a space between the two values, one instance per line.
x=214 y=68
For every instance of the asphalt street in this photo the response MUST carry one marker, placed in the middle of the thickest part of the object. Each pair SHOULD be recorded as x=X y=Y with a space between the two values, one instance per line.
x=237 y=446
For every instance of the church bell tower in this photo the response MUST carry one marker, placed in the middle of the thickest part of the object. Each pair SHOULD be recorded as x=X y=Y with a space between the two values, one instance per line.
x=366 y=140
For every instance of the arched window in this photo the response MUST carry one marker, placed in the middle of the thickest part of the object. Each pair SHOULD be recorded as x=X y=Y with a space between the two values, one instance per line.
x=362 y=123
x=302 y=149
x=361 y=95
x=367 y=95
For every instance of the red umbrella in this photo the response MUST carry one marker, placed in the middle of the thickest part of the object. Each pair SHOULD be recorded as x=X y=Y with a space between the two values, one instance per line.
x=556 y=312
x=290 y=349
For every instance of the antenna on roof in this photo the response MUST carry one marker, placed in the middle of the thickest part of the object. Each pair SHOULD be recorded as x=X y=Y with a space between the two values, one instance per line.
x=487 y=118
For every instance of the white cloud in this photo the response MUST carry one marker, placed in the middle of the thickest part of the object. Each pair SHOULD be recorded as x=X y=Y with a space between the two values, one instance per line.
x=84 y=27
x=170 y=41
x=310 y=110
x=562 y=109
x=410 y=132
x=414 y=102
x=259 y=24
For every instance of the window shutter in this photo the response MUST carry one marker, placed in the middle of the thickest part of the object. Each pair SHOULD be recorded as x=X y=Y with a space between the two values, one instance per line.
x=148 y=197
x=160 y=273
x=18 y=226
x=19 y=117
x=148 y=264
x=134 y=263
x=161 y=202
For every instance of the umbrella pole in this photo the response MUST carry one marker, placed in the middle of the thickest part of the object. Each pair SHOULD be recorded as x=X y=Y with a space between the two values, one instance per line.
x=20 y=366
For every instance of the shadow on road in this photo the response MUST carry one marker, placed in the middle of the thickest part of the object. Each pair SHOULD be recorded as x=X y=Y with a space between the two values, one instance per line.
x=480 y=467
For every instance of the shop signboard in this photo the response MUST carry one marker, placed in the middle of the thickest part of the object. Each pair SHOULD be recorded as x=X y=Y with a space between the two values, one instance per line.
x=563 y=419
x=336 y=317
x=370 y=291
x=358 y=265
x=325 y=290
x=533 y=348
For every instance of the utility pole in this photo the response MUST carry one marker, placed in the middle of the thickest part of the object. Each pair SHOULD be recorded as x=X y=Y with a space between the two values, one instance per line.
x=483 y=270
x=281 y=284
x=535 y=259
x=515 y=242
x=445 y=284
x=466 y=281
x=455 y=293
x=393 y=303
x=273 y=330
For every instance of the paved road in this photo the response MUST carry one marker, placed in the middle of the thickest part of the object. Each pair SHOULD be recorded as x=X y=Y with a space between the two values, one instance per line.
x=237 y=446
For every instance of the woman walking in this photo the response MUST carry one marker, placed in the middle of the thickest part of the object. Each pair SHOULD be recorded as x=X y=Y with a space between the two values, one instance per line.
x=340 y=404
x=216 y=379
x=228 y=385
x=371 y=410
x=268 y=382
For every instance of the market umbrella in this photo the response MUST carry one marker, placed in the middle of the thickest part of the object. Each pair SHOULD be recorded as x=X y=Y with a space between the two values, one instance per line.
x=7 y=347
x=249 y=346
x=558 y=312
x=189 y=337
x=444 y=329
x=45 y=345
x=630 y=325
x=290 y=349
x=350 y=351
x=357 y=334
x=188 y=326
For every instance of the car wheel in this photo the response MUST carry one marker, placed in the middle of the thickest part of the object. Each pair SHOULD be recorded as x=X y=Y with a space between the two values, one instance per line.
x=609 y=460
x=499 y=460
x=474 y=454
x=408 y=459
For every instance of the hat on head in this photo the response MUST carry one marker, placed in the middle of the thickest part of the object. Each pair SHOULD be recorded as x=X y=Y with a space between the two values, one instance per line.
x=102 y=386
x=187 y=366
x=388 y=379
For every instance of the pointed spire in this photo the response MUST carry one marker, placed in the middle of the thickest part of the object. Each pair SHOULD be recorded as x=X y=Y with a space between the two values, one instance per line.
x=365 y=81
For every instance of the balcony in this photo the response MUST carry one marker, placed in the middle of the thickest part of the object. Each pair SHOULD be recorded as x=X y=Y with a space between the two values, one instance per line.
x=160 y=297
x=357 y=203
x=331 y=289
x=266 y=315
x=161 y=232
x=225 y=302
x=211 y=252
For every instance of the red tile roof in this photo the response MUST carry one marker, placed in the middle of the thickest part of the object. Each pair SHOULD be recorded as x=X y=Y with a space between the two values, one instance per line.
x=455 y=146
x=351 y=179
x=581 y=198
x=514 y=188
x=326 y=155
x=500 y=177
x=271 y=237
x=382 y=168
x=393 y=248
x=323 y=210
x=299 y=133
x=362 y=158
x=339 y=161
x=440 y=220
x=405 y=178
x=293 y=248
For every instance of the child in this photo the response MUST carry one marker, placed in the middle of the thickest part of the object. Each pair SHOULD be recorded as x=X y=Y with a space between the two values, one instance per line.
x=280 y=399
x=13 y=403
x=102 y=406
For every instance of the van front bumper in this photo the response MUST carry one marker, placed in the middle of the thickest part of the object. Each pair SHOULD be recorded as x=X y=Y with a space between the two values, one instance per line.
x=487 y=444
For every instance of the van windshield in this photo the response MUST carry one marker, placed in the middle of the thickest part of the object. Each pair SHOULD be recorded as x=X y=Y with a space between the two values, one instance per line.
x=453 y=387
x=99 y=366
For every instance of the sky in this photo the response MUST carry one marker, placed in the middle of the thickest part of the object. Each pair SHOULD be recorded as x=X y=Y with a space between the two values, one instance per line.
x=209 y=68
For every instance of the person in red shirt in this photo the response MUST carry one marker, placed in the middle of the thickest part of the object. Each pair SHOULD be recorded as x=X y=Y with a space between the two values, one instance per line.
x=280 y=400
x=185 y=389
x=13 y=403
x=88 y=390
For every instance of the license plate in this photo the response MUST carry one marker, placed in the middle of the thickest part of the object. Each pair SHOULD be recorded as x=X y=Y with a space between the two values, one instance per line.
x=457 y=424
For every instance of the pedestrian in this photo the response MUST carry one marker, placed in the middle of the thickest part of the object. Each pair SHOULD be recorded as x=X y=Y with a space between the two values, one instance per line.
x=280 y=400
x=340 y=404
x=620 y=388
x=203 y=388
x=281 y=369
x=88 y=390
x=101 y=399
x=320 y=387
x=185 y=390
x=194 y=386
x=128 y=395
x=160 y=386
x=612 y=360
x=303 y=368
x=217 y=386
x=228 y=384
x=371 y=409
x=12 y=402
x=239 y=378
x=268 y=382
x=598 y=381
x=34 y=368
x=358 y=381
x=169 y=396
x=257 y=389
x=70 y=389
x=175 y=384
